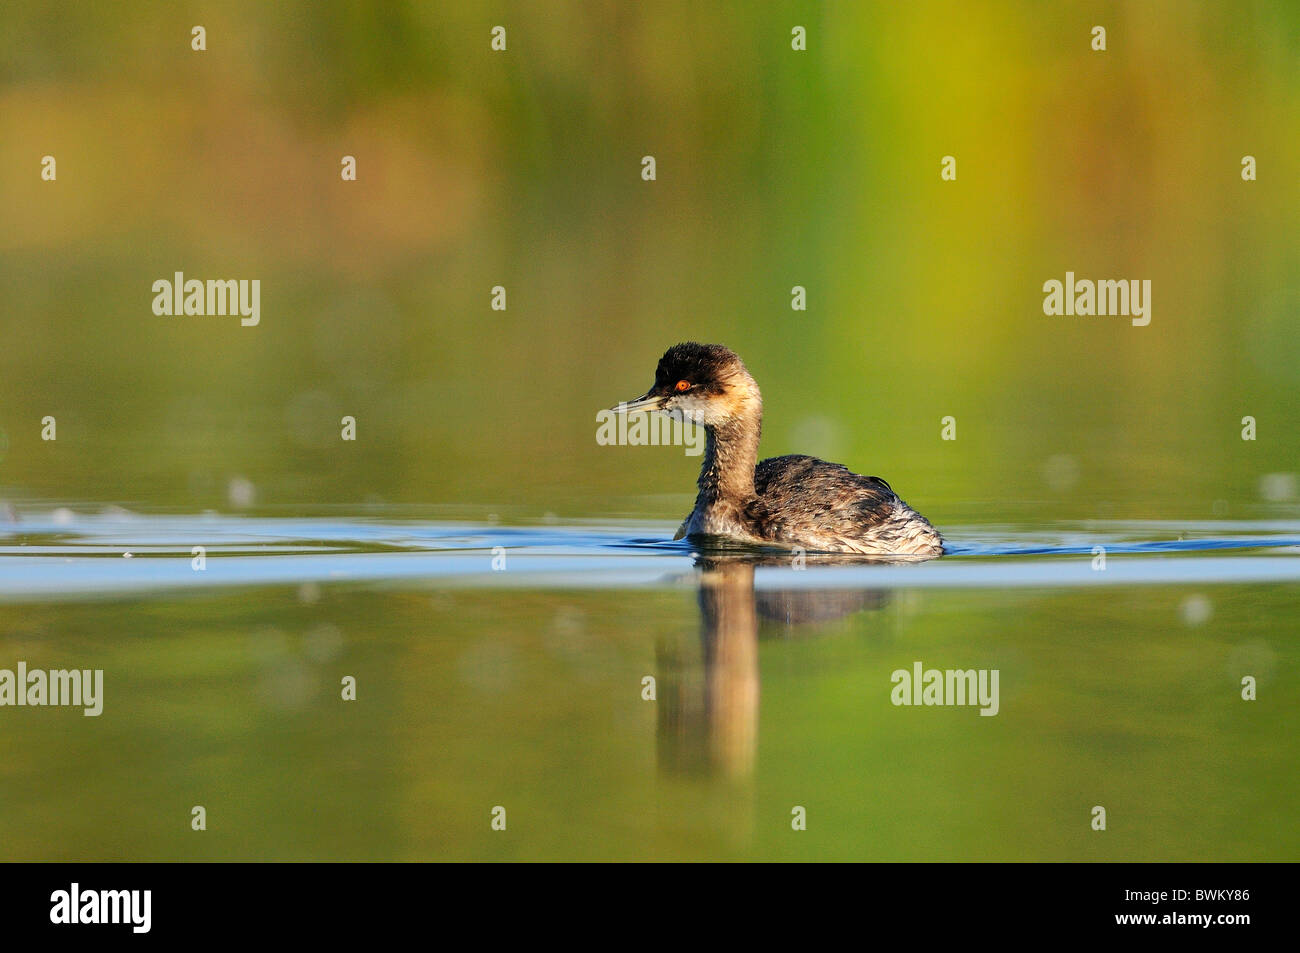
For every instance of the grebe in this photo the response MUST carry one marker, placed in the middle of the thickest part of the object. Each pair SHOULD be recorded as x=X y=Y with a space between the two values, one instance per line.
x=794 y=500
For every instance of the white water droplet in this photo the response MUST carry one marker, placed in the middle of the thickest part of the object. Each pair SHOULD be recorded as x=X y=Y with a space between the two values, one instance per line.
x=1196 y=609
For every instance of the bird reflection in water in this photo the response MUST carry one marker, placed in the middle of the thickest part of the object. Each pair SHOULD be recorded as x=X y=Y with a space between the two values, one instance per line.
x=708 y=697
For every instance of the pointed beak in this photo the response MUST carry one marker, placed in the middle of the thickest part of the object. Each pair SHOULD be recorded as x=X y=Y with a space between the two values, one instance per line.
x=643 y=404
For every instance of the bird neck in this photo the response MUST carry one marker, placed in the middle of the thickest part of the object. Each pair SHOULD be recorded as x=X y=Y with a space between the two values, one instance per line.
x=730 y=455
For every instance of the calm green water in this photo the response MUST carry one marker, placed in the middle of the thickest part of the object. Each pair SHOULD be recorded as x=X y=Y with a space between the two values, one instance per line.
x=523 y=688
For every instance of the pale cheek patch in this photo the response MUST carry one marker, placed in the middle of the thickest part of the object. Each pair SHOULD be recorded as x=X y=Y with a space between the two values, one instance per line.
x=736 y=402
x=690 y=407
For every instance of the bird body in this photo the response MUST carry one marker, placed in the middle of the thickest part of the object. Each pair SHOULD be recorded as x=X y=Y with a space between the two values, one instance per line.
x=795 y=500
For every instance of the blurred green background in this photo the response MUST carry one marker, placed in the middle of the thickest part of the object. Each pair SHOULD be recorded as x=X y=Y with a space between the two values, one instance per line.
x=776 y=168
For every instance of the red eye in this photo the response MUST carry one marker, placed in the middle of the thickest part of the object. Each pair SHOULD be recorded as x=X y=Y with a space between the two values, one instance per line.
x=683 y=385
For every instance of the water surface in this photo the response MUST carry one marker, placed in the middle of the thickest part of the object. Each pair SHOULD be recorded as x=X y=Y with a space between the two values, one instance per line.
x=505 y=666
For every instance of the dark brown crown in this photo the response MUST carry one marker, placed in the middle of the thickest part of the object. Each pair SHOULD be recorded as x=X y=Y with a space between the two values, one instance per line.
x=703 y=366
